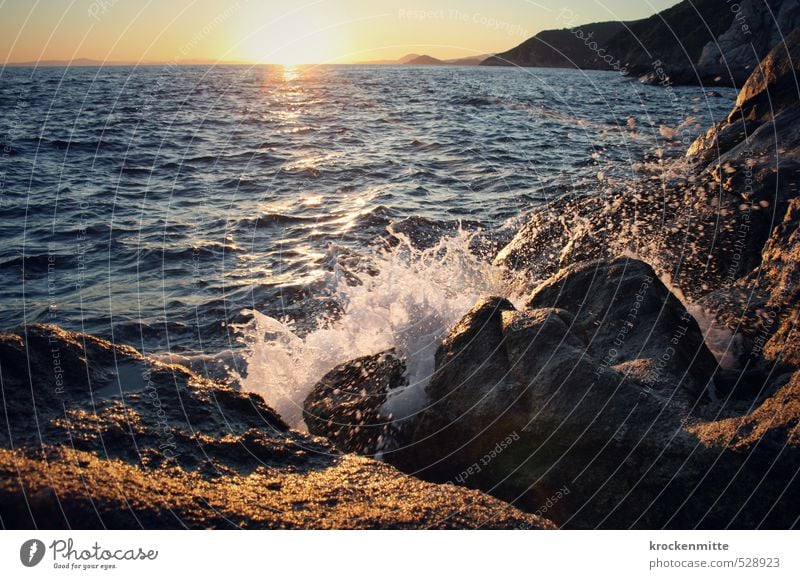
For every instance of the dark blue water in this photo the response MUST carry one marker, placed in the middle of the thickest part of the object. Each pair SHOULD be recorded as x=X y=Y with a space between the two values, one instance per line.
x=153 y=205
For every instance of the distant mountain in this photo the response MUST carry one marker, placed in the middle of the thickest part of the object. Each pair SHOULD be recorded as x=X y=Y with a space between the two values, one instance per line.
x=407 y=58
x=402 y=60
x=425 y=60
x=468 y=60
x=77 y=62
x=695 y=40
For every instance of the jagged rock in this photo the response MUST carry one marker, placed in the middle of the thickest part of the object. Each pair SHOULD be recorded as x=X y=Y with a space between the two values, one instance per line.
x=631 y=319
x=674 y=37
x=529 y=405
x=345 y=404
x=752 y=33
x=705 y=231
x=769 y=91
x=754 y=158
x=96 y=435
x=565 y=48
x=773 y=84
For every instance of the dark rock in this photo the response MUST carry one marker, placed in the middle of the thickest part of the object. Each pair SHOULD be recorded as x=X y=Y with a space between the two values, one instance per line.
x=674 y=37
x=752 y=33
x=773 y=84
x=754 y=158
x=726 y=235
x=565 y=48
x=705 y=231
x=769 y=91
x=345 y=404
x=629 y=317
x=533 y=407
x=699 y=42
x=690 y=75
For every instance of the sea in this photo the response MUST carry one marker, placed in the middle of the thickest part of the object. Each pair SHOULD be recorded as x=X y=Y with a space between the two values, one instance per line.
x=263 y=224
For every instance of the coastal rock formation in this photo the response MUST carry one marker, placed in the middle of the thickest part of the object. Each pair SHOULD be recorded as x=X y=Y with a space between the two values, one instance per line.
x=726 y=235
x=712 y=224
x=599 y=404
x=705 y=42
x=768 y=98
x=752 y=33
x=597 y=401
x=631 y=320
x=95 y=435
x=565 y=48
x=753 y=158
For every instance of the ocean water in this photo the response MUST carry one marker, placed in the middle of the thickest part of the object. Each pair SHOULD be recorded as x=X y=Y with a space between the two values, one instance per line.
x=268 y=223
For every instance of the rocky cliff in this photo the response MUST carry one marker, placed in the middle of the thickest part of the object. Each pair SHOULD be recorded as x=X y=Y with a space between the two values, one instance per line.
x=565 y=48
x=711 y=42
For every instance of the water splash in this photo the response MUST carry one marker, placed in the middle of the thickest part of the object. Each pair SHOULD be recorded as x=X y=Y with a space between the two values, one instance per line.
x=403 y=298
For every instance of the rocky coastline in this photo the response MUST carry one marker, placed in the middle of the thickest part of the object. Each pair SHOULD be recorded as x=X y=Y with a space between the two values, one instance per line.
x=604 y=379
x=649 y=379
x=703 y=42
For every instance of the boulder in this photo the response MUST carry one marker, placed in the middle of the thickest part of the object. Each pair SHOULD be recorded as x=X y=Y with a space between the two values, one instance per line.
x=345 y=405
x=630 y=319
x=588 y=406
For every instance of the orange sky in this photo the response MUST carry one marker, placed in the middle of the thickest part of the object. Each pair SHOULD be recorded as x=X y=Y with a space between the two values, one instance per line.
x=285 y=31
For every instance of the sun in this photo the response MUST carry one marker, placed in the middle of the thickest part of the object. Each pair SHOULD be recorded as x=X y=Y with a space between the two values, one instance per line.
x=290 y=39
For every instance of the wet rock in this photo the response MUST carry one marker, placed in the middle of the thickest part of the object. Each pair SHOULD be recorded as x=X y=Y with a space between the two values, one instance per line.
x=95 y=435
x=706 y=229
x=772 y=86
x=630 y=319
x=523 y=407
x=80 y=490
x=691 y=75
x=345 y=405
x=564 y=408
x=754 y=158
x=770 y=90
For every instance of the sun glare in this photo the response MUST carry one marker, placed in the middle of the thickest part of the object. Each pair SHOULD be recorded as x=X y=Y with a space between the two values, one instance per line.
x=291 y=40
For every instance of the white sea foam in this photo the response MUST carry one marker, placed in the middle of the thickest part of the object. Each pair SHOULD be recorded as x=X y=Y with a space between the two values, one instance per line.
x=408 y=301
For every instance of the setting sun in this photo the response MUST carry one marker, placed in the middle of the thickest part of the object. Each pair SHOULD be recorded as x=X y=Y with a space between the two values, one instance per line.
x=290 y=37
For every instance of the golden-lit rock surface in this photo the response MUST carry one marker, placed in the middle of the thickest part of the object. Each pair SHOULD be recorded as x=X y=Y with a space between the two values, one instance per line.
x=97 y=436
x=85 y=491
x=775 y=421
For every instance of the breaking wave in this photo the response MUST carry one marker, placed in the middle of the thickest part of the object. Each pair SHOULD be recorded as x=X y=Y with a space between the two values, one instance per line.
x=401 y=298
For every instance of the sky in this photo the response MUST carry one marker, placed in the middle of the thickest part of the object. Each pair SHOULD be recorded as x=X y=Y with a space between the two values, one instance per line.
x=287 y=31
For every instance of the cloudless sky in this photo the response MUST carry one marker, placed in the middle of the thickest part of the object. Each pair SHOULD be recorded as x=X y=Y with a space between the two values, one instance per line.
x=287 y=31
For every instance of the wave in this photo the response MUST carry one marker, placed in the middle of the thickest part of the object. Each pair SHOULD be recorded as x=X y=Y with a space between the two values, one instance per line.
x=474 y=101
x=274 y=218
x=402 y=298
x=39 y=262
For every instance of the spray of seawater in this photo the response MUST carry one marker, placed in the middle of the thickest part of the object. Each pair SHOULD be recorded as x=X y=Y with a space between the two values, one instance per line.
x=406 y=299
